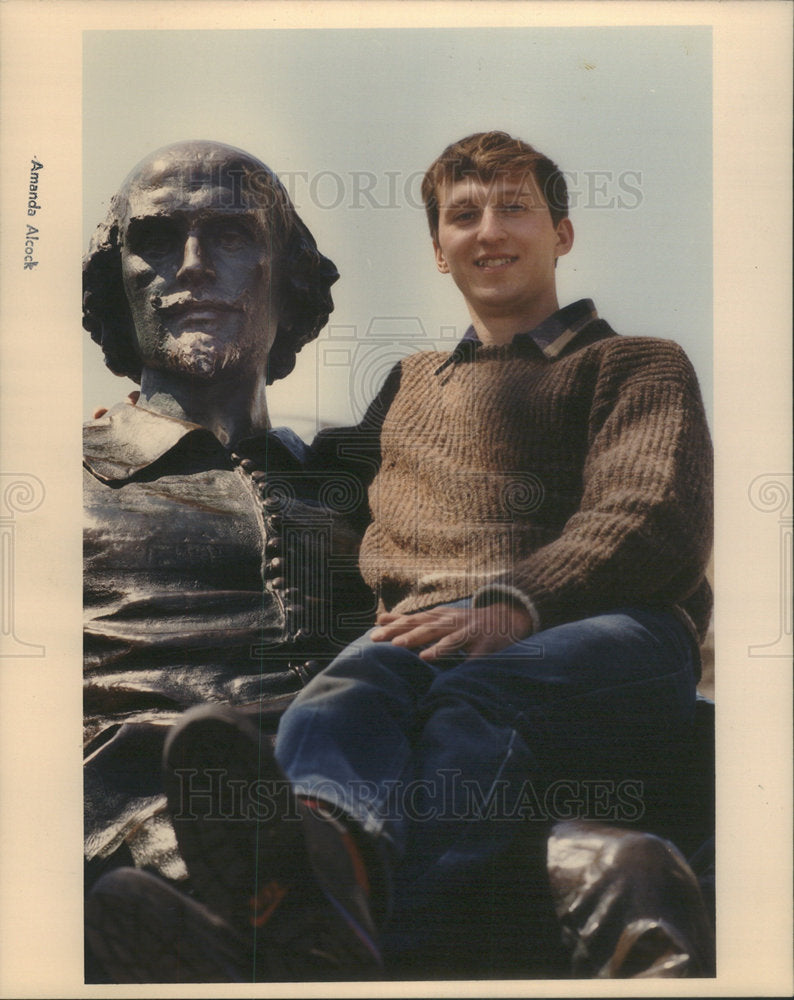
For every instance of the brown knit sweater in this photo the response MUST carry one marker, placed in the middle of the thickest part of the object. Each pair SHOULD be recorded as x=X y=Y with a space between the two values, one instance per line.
x=574 y=485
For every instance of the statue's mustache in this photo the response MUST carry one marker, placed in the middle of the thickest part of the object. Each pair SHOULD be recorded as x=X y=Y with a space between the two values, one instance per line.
x=174 y=305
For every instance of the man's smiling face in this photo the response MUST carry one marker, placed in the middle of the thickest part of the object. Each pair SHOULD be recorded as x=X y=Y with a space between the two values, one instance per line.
x=498 y=242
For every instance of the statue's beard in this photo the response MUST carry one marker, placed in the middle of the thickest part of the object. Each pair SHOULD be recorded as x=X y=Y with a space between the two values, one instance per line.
x=199 y=354
x=206 y=344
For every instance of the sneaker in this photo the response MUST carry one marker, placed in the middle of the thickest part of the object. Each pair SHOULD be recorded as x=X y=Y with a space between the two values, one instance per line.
x=282 y=871
x=141 y=930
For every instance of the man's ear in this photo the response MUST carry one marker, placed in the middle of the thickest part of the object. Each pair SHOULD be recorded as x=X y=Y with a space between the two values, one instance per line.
x=441 y=262
x=564 y=237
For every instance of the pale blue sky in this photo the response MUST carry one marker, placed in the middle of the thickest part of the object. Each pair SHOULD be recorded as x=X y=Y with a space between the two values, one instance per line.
x=350 y=119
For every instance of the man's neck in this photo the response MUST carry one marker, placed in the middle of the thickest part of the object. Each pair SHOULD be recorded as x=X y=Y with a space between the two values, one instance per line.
x=230 y=411
x=495 y=328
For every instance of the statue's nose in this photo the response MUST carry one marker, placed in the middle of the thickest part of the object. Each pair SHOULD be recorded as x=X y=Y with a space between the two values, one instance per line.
x=196 y=263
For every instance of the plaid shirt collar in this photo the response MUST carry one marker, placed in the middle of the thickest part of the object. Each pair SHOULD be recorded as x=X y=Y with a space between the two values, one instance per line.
x=555 y=333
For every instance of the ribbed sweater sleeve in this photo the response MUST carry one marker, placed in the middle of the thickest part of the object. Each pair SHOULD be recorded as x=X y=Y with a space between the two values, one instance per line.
x=642 y=531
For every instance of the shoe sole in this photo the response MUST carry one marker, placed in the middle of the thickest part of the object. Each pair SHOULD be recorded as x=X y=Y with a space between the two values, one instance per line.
x=236 y=817
x=244 y=845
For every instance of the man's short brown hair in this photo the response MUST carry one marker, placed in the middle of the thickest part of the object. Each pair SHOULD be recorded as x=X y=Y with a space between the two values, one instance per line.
x=489 y=154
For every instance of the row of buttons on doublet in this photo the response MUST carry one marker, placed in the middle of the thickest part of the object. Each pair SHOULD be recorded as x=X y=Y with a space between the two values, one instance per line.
x=273 y=504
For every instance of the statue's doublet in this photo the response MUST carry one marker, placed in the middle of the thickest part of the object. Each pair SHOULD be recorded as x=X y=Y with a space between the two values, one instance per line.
x=208 y=576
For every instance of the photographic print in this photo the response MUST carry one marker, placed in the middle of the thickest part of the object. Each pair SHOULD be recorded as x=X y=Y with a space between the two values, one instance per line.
x=430 y=316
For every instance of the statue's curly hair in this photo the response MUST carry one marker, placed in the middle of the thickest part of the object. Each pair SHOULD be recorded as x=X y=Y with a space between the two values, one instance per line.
x=305 y=275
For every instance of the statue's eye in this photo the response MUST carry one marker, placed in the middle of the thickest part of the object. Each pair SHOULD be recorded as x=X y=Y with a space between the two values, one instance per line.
x=158 y=246
x=153 y=238
x=230 y=236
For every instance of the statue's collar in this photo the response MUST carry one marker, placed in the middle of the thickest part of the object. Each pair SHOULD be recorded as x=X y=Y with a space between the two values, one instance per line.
x=129 y=438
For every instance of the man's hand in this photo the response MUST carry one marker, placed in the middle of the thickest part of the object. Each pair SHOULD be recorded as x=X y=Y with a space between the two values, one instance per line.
x=474 y=631
x=132 y=399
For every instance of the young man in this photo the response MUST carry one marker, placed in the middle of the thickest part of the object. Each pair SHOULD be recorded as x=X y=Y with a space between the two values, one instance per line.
x=539 y=507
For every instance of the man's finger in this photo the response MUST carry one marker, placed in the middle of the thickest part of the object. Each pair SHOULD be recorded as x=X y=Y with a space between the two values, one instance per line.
x=393 y=628
x=415 y=635
x=421 y=635
x=388 y=625
x=453 y=642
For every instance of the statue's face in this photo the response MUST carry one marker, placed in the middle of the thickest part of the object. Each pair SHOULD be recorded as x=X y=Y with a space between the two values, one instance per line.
x=198 y=272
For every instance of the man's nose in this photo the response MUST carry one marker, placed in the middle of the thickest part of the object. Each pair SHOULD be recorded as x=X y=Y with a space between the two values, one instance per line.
x=491 y=226
x=196 y=262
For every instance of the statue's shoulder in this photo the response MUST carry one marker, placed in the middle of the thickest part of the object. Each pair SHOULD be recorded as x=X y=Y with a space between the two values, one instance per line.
x=128 y=438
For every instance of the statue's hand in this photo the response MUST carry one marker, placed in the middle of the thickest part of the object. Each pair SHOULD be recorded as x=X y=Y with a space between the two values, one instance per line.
x=132 y=399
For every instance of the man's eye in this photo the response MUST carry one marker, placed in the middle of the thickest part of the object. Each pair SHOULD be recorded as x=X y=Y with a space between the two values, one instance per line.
x=465 y=216
x=514 y=207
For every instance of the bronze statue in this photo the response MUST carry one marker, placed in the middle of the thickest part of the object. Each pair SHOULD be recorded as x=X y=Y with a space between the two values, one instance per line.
x=207 y=547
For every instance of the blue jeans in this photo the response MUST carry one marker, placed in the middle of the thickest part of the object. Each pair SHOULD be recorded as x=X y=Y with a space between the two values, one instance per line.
x=446 y=764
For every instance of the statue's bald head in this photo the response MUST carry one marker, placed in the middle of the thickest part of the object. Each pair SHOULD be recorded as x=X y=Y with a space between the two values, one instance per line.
x=217 y=175
x=225 y=175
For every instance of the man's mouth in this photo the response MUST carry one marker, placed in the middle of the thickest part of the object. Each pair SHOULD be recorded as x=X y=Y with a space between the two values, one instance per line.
x=494 y=261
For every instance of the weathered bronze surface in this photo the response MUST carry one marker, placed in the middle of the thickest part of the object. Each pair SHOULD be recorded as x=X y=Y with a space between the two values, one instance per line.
x=214 y=567
x=628 y=903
